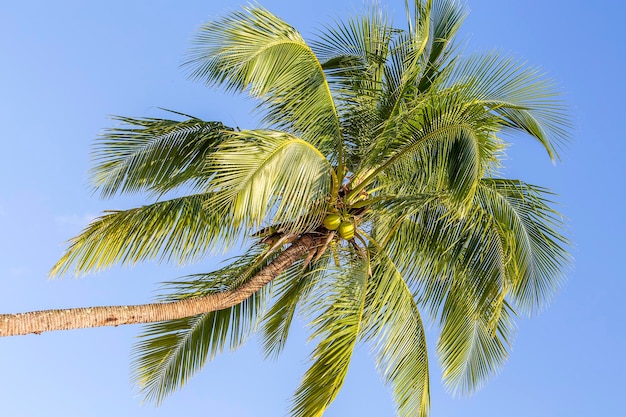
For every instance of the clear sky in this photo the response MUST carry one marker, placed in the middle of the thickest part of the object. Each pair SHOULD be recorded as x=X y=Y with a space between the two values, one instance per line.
x=65 y=66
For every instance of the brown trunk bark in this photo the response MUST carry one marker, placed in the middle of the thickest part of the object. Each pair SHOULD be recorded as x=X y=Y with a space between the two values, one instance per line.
x=79 y=318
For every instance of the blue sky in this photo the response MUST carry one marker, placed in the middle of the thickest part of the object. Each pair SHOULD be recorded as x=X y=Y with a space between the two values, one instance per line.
x=67 y=65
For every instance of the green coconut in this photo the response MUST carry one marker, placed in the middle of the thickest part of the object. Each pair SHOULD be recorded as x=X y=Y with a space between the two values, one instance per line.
x=346 y=230
x=332 y=221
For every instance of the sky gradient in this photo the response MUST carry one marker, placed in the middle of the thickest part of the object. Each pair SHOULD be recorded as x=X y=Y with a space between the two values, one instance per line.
x=67 y=66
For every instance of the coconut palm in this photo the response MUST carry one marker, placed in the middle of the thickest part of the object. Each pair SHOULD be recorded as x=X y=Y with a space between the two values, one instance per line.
x=368 y=202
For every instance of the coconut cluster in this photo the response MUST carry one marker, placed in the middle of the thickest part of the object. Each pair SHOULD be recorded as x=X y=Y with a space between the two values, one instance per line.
x=333 y=221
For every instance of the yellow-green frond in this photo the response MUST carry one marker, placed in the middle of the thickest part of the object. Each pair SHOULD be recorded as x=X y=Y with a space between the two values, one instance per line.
x=337 y=328
x=520 y=94
x=181 y=229
x=148 y=154
x=169 y=353
x=474 y=343
x=532 y=232
x=392 y=324
x=255 y=51
x=274 y=177
x=289 y=291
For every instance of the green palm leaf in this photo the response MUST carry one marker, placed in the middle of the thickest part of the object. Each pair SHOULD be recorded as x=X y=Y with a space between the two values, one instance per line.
x=530 y=229
x=392 y=323
x=441 y=242
x=459 y=263
x=256 y=51
x=419 y=33
x=290 y=291
x=337 y=328
x=469 y=264
x=451 y=141
x=153 y=154
x=181 y=229
x=447 y=18
x=171 y=352
x=473 y=344
x=273 y=176
x=519 y=93
x=354 y=55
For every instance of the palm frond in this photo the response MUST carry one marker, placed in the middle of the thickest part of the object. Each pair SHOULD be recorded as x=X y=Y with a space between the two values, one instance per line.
x=442 y=243
x=525 y=99
x=418 y=244
x=448 y=140
x=153 y=154
x=457 y=262
x=419 y=20
x=180 y=229
x=272 y=176
x=410 y=51
x=255 y=51
x=353 y=55
x=337 y=328
x=532 y=232
x=473 y=344
x=395 y=68
x=392 y=323
x=290 y=289
x=169 y=353
x=507 y=246
x=447 y=18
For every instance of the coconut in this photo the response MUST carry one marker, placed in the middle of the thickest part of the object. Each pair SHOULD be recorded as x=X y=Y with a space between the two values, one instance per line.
x=346 y=230
x=332 y=221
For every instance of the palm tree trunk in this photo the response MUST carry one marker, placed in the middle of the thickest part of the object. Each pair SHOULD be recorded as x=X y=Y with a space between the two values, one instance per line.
x=79 y=318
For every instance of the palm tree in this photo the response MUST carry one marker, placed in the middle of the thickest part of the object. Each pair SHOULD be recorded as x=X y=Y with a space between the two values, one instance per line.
x=370 y=196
